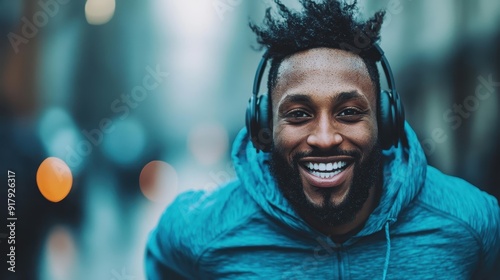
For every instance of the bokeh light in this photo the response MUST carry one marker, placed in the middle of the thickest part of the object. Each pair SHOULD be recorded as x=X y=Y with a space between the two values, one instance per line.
x=126 y=142
x=54 y=179
x=60 y=254
x=158 y=181
x=59 y=136
x=99 y=11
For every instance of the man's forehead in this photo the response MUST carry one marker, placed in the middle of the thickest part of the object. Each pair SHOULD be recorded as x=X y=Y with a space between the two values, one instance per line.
x=318 y=58
x=323 y=70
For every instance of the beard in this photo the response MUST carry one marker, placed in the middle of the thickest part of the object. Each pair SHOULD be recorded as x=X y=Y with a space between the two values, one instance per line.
x=366 y=174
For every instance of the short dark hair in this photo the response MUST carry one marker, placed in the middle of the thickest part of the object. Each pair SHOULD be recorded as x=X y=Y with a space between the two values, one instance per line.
x=327 y=23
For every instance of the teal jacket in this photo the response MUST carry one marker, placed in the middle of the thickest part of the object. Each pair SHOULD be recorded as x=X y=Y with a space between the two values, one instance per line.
x=427 y=226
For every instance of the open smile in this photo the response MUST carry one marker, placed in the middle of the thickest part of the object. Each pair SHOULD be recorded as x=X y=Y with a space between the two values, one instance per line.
x=326 y=172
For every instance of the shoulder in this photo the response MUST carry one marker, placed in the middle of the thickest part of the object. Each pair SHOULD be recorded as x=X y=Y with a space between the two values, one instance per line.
x=191 y=223
x=209 y=212
x=460 y=199
x=470 y=208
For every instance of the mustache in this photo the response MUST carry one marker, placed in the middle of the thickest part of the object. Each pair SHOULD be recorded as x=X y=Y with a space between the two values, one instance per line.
x=327 y=153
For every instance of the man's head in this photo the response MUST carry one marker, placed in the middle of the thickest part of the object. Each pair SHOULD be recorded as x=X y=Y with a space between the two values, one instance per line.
x=324 y=91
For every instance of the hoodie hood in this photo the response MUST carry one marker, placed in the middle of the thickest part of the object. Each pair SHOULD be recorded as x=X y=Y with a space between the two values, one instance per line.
x=404 y=172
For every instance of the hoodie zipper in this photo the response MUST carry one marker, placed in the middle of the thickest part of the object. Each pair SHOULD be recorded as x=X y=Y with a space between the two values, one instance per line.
x=340 y=258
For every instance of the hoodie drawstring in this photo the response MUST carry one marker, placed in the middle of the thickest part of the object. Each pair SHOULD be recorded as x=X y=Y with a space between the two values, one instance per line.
x=388 y=251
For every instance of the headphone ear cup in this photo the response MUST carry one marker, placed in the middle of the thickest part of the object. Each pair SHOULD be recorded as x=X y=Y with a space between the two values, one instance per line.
x=257 y=122
x=399 y=120
x=391 y=120
x=250 y=117
x=386 y=123
x=264 y=135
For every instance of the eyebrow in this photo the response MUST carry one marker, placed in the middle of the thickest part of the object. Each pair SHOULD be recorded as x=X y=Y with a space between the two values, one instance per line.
x=345 y=96
x=338 y=98
x=296 y=98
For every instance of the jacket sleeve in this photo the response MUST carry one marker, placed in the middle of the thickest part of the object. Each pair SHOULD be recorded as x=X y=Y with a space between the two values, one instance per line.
x=491 y=241
x=156 y=268
x=169 y=250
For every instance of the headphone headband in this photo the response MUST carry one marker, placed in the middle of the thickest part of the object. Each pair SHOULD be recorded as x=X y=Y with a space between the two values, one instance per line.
x=387 y=68
x=260 y=72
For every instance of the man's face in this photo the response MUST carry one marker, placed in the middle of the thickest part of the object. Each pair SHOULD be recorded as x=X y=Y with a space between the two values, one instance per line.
x=325 y=153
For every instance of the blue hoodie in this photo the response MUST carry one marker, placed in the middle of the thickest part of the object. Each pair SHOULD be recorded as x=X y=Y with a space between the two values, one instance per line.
x=427 y=226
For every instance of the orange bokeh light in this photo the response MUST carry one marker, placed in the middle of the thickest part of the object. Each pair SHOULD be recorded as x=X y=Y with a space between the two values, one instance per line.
x=54 y=179
x=158 y=181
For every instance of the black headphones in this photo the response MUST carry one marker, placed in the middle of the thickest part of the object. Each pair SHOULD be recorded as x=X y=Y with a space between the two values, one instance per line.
x=391 y=117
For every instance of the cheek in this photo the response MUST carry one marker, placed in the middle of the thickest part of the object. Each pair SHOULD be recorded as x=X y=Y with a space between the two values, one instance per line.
x=282 y=138
x=364 y=136
x=286 y=139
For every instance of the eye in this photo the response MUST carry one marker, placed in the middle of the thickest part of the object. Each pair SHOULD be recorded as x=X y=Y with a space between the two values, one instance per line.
x=350 y=112
x=350 y=115
x=297 y=116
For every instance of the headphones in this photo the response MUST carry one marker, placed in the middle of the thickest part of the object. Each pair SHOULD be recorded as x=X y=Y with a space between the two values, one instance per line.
x=390 y=119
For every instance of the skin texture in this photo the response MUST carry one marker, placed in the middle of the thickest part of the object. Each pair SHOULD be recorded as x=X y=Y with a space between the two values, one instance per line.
x=324 y=110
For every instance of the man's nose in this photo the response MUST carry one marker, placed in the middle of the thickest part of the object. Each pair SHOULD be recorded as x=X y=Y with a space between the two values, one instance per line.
x=324 y=135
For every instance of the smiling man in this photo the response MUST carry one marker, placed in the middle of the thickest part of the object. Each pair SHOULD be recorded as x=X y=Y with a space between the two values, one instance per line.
x=343 y=190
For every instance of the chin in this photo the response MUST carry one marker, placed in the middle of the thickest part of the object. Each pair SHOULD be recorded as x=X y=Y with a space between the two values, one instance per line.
x=321 y=197
x=330 y=203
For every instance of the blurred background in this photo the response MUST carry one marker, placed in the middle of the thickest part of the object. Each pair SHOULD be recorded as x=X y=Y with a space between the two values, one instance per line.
x=142 y=100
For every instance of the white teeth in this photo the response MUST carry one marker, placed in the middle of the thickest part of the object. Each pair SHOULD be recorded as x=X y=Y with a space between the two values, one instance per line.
x=326 y=166
x=329 y=166
x=324 y=175
x=322 y=167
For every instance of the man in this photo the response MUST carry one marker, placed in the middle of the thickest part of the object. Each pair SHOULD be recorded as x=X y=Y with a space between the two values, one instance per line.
x=330 y=200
